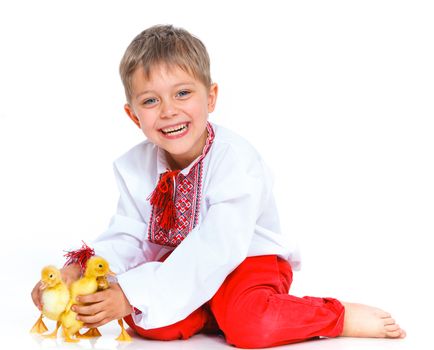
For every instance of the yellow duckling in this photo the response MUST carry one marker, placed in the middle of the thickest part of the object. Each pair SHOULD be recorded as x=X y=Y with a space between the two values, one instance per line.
x=55 y=298
x=96 y=267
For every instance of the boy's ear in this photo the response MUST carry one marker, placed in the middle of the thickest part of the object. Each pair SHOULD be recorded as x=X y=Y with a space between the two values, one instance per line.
x=212 y=97
x=129 y=110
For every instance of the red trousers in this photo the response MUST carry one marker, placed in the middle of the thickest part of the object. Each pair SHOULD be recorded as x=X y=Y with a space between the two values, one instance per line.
x=253 y=310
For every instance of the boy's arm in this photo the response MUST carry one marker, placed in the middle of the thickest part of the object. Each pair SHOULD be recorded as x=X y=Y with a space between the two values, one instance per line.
x=124 y=244
x=168 y=292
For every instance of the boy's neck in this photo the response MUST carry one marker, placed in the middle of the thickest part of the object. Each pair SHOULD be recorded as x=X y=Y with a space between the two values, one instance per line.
x=181 y=162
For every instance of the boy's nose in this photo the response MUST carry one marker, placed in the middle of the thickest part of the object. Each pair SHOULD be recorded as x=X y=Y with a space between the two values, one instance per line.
x=168 y=110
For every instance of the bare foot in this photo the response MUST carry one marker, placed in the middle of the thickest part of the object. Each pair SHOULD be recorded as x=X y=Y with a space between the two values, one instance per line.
x=369 y=322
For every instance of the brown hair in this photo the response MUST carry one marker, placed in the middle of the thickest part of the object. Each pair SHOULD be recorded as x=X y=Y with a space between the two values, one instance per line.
x=165 y=44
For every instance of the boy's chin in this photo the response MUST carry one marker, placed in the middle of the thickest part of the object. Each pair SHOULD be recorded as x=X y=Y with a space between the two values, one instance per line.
x=175 y=154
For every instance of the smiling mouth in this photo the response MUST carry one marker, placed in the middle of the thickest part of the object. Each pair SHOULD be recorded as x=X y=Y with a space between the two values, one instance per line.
x=175 y=130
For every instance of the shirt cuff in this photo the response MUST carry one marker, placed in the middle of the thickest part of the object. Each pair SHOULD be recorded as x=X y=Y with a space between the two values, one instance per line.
x=137 y=291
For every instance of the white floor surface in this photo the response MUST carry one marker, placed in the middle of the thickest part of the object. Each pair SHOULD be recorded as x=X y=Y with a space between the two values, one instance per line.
x=410 y=306
x=14 y=334
x=24 y=340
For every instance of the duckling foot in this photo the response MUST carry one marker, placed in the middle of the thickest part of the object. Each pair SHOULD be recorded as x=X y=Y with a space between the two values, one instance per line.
x=67 y=337
x=51 y=335
x=39 y=327
x=124 y=336
x=91 y=333
x=54 y=333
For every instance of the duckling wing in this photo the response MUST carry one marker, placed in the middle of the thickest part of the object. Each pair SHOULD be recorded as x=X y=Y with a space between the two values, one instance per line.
x=55 y=301
x=83 y=286
x=70 y=322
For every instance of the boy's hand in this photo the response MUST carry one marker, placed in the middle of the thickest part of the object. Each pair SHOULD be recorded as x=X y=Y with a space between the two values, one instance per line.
x=70 y=273
x=37 y=295
x=105 y=306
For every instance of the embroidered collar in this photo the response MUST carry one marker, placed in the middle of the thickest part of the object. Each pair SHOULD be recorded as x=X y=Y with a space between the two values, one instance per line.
x=176 y=199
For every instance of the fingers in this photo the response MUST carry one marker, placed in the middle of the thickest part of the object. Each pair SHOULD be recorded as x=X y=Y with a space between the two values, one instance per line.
x=36 y=296
x=86 y=310
x=99 y=308
x=92 y=307
x=92 y=298
x=97 y=324
x=92 y=321
x=94 y=315
x=70 y=273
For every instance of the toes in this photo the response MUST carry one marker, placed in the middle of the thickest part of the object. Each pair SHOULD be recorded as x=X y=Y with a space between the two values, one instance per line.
x=383 y=314
x=391 y=328
x=389 y=321
x=394 y=334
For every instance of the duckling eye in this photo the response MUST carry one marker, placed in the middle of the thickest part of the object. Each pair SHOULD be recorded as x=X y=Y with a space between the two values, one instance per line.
x=51 y=276
x=100 y=266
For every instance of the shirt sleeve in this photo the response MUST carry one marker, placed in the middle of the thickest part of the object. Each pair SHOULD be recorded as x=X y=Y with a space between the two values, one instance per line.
x=168 y=292
x=123 y=244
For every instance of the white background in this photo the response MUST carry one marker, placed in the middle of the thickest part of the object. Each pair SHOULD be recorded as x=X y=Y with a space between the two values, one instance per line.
x=336 y=95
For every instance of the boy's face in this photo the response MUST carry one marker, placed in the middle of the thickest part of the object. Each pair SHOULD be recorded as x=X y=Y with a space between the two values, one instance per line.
x=171 y=107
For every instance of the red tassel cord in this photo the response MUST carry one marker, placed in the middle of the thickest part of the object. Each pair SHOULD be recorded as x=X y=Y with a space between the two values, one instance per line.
x=79 y=256
x=162 y=198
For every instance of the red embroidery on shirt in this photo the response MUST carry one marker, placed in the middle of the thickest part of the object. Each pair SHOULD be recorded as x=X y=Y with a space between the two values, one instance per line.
x=187 y=200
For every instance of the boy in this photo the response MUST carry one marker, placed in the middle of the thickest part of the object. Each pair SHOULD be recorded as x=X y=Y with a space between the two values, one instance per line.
x=196 y=242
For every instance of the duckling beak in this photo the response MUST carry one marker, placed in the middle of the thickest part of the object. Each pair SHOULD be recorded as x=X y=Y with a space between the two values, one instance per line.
x=111 y=273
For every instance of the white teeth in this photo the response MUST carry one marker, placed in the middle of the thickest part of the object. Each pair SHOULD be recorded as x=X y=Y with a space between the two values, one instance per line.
x=175 y=130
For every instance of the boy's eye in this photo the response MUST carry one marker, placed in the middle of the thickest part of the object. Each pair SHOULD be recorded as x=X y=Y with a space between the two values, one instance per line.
x=150 y=101
x=183 y=93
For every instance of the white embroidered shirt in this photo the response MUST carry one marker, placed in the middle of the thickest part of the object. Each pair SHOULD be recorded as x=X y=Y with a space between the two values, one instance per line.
x=225 y=212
